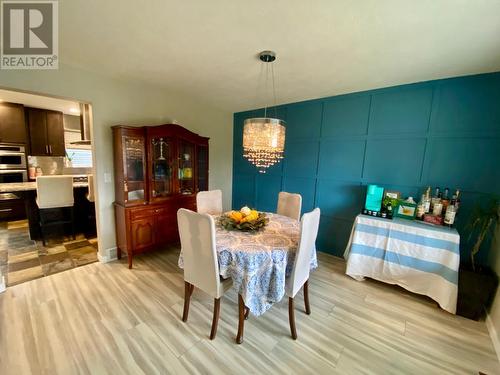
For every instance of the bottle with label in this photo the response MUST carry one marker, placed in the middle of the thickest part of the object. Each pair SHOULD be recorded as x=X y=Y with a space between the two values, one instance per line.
x=427 y=200
x=445 y=199
x=449 y=216
x=437 y=209
x=436 y=198
x=421 y=208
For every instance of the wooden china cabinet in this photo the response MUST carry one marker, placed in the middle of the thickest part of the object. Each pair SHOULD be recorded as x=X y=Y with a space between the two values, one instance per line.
x=158 y=169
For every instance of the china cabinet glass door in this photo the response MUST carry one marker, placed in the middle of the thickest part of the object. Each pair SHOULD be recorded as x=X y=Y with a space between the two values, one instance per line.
x=186 y=167
x=162 y=167
x=134 y=168
x=202 y=163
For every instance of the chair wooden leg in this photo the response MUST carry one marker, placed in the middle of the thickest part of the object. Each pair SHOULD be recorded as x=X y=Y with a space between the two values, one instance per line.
x=215 y=320
x=192 y=289
x=247 y=312
x=291 y=318
x=241 y=319
x=306 y=297
x=187 y=297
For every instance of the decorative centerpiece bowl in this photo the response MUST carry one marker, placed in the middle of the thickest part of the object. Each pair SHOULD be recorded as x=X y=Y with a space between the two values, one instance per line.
x=246 y=220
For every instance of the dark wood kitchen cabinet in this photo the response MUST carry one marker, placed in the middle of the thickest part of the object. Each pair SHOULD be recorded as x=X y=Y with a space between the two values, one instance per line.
x=12 y=123
x=46 y=132
x=158 y=169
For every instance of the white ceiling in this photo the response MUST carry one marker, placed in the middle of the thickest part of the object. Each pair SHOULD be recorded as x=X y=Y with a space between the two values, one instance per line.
x=39 y=101
x=208 y=49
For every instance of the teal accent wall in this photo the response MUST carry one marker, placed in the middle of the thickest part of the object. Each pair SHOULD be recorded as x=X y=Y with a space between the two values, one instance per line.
x=440 y=133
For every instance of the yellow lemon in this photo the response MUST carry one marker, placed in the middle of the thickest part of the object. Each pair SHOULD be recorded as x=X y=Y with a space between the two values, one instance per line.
x=237 y=216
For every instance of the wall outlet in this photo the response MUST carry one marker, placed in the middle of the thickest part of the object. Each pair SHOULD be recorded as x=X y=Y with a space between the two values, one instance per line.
x=107 y=177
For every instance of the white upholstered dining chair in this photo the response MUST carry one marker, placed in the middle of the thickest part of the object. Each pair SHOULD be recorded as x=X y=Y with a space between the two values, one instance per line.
x=299 y=277
x=201 y=267
x=289 y=205
x=302 y=265
x=209 y=202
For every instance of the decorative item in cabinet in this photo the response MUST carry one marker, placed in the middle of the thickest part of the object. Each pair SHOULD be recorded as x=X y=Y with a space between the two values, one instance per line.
x=186 y=178
x=130 y=165
x=162 y=166
x=158 y=169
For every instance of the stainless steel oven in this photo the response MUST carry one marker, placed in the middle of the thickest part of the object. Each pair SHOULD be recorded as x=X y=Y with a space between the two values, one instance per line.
x=13 y=175
x=12 y=157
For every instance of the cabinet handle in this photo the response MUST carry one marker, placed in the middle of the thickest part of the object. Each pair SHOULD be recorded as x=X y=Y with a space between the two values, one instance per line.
x=6 y=210
x=50 y=149
x=46 y=149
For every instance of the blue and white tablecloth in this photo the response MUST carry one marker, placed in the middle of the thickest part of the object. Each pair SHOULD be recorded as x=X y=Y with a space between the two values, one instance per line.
x=259 y=262
x=421 y=258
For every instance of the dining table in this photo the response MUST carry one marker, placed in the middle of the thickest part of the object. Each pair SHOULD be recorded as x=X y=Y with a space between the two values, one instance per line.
x=259 y=262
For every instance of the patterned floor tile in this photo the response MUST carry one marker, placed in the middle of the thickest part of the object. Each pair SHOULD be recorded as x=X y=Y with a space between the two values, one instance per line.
x=3 y=257
x=17 y=224
x=51 y=258
x=22 y=259
x=18 y=266
x=21 y=276
x=77 y=244
x=83 y=255
x=58 y=266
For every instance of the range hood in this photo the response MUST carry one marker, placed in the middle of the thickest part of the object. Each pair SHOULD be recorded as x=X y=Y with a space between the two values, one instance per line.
x=84 y=125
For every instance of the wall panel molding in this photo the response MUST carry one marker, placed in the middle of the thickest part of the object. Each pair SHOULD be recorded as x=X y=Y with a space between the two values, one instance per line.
x=444 y=132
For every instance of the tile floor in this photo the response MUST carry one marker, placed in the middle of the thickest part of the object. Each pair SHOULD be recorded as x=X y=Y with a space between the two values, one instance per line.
x=22 y=259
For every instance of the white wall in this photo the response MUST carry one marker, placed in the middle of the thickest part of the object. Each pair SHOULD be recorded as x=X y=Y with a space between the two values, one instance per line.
x=128 y=103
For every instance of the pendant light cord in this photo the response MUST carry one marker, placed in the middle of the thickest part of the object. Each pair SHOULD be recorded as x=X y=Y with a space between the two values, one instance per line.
x=274 y=91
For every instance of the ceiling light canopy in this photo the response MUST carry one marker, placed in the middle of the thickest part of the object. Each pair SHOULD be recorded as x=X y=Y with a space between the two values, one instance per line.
x=264 y=137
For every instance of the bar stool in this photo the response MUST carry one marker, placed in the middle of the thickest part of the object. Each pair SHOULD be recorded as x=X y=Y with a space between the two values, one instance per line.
x=55 y=193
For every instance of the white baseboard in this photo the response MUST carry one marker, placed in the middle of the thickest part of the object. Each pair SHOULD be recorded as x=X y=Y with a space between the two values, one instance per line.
x=2 y=283
x=493 y=335
x=108 y=255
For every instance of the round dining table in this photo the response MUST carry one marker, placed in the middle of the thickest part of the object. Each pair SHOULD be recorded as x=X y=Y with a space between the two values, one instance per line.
x=259 y=262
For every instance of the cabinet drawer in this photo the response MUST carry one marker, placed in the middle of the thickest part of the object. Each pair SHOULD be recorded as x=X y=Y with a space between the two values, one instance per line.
x=146 y=212
x=12 y=209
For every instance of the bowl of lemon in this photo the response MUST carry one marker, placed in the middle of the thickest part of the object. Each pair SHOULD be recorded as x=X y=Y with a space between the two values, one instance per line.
x=246 y=220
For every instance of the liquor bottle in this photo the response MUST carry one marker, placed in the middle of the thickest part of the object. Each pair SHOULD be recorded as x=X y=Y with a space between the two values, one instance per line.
x=445 y=200
x=436 y=198
x=437 y=209
x=449 y=217
x=456 y=198
x=427 y=200
x=421 y=208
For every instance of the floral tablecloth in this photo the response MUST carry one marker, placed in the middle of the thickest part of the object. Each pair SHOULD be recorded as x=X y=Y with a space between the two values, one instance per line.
x=259 y=262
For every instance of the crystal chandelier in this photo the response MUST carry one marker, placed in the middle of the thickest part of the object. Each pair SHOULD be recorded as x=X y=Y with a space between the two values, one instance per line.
x=264 y=137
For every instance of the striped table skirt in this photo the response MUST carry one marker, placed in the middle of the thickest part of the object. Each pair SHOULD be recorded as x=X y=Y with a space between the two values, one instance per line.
x=419 y=257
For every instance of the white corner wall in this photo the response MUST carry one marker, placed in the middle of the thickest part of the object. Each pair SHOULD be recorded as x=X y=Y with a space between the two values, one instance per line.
x=128 y=103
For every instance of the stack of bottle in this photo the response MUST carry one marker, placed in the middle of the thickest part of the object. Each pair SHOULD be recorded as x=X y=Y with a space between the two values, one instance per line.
x=439 y=208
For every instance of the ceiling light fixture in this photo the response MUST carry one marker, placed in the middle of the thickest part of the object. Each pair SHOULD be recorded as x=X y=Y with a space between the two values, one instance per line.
x=264 y=137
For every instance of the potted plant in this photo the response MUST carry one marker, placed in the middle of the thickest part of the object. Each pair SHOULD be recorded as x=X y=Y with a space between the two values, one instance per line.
x=477 y=283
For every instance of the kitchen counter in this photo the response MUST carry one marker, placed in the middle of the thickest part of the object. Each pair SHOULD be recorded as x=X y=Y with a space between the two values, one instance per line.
x=30 y=186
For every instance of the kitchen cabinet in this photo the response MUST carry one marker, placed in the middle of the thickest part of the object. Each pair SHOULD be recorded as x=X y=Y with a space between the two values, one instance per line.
x=46 y=132
x=12 y=124
x=158 y=169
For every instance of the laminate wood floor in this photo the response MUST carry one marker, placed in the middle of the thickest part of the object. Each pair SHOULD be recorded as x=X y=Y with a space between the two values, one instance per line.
x=106 y=319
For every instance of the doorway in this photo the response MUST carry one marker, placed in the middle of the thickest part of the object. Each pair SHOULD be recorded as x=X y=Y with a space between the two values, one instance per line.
x=45 y=139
